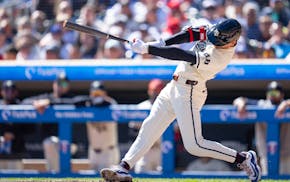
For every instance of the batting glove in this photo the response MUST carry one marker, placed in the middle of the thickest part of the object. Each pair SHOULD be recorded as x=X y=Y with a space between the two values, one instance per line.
x=158 y=43
x=139 y=46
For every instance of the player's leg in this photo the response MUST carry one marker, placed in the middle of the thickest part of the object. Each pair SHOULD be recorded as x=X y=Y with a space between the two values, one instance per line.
x=187 y=109
x=151 y=161
x=154 y=125
x=161 y=115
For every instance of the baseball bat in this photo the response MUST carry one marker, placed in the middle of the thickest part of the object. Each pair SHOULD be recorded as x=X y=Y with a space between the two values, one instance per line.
x=91 y=31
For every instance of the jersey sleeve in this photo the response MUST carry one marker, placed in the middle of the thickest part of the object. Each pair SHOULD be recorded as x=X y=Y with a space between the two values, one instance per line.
x=189 y=34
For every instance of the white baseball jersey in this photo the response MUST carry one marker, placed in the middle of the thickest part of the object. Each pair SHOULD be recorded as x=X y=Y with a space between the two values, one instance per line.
x=209 y=62
x=184 y=101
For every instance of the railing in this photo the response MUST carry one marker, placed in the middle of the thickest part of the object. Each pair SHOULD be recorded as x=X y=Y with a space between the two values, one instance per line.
x=66 y=115
x=137 y=70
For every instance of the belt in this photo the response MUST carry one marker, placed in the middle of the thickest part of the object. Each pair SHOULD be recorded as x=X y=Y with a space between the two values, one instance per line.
x=188 y=82
x=101 y=150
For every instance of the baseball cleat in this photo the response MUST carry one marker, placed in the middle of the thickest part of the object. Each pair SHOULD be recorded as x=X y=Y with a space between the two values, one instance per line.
x=115 y=175
x=251 y=167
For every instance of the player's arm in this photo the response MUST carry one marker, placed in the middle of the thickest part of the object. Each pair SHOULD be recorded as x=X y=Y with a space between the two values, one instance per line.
x=173 y=53
x=282 y=108
x=189 y=34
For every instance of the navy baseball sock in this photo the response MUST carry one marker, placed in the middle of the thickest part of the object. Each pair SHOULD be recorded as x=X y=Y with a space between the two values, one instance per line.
x=240 y=158
x=125 y=165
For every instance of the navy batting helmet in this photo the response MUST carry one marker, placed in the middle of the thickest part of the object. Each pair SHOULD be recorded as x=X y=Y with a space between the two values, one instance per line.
x=224 y=32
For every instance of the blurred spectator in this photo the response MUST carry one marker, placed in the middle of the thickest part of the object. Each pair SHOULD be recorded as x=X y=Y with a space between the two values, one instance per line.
x=10 y=53
x=89 y=46
x=279 y=11
x=47 y=7
x=73 y=51
x=102 y=136
x=39 y=22
x=274 y=97
x=210 y=11
x=64 y=12
x=23 y=24
x=87 y=15
x=113 y=50
x=278 y=41
x=3 y=43
x=257 y=45
x=152 y=159
x=251 y=12
x=54 y=36
x=63 y=8
x=120 y=9
x=4 y=14
x=173 y=26
x=241 y=51
x=8 y=29
x=52 y=52
x=27 y=47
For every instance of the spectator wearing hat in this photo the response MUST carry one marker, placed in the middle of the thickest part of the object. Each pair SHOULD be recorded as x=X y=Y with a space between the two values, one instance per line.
x=152 y=159
x=102 y=136
x=210 y=12
x=52 y=52
x=114 y=50
x=274 y=97
x=53 y=37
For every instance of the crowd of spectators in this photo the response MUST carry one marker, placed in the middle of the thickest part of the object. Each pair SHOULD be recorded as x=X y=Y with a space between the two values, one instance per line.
x=32 y=30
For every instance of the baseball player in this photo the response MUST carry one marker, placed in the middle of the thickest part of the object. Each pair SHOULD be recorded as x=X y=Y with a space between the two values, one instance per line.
x=274 y=97
x=151 y=161
x=184 y=96
x=102 y=136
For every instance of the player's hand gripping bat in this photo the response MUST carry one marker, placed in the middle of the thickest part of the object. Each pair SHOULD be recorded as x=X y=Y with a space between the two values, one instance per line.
x=91 y=31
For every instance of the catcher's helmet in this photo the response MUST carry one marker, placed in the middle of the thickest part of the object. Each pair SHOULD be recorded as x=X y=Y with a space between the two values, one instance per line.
x=224 y=32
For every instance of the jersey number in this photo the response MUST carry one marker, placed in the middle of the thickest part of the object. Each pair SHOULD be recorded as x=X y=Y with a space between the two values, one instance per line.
x=207 y=60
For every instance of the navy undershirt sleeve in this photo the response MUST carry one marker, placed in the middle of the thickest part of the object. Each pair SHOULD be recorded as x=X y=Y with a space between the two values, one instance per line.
x=173 y=53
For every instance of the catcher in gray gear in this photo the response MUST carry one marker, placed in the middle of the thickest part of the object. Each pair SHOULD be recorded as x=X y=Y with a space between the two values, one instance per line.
x=184 y=96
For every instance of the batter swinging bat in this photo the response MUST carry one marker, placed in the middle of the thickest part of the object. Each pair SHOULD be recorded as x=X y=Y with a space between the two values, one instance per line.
x=91 y=31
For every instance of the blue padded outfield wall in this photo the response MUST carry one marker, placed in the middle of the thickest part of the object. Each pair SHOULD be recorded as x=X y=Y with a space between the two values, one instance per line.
x=133 y=70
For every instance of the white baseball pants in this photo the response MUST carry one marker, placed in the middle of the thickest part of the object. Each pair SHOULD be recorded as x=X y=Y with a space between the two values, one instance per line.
x=184 y=102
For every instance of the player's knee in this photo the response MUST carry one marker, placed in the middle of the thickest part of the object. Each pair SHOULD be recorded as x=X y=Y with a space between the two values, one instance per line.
x=193 y=149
